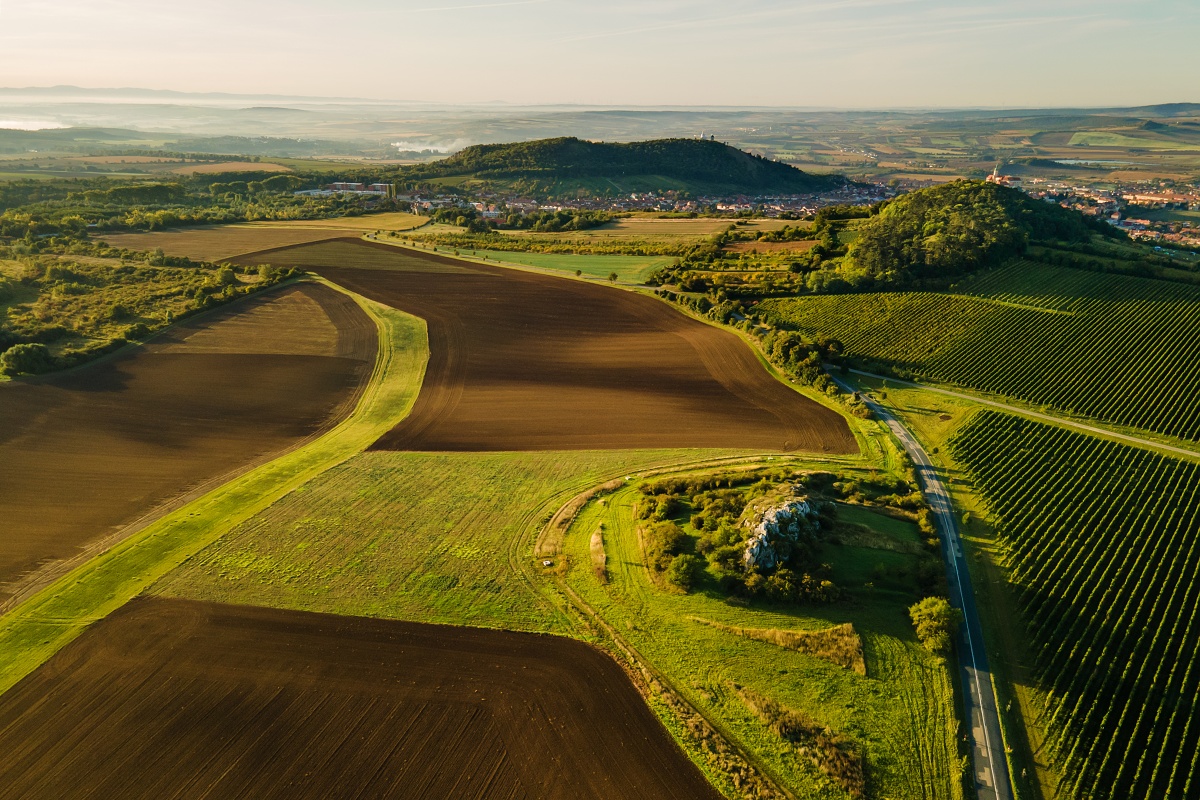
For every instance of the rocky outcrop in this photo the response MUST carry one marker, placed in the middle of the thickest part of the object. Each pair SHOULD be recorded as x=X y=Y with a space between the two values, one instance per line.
x=778 y=522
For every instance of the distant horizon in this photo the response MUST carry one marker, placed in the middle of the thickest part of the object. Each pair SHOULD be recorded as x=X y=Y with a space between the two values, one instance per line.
x=827 y=54
x=115 y=91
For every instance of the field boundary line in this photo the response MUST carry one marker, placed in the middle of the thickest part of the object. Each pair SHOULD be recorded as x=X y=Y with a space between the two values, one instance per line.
x=1095 y=430
x=50 y=619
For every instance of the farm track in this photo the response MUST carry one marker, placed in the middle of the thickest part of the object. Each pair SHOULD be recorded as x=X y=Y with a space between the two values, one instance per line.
x=524 y=361
x=298 y=705
x=90 y=456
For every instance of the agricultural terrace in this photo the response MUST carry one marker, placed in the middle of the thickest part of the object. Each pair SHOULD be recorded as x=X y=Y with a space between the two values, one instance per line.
x=224 y=242
x=88 y=454
x=1113 y=347
x=306 y=705
x=523 y=361
x=780 y=679
x=1100 y=539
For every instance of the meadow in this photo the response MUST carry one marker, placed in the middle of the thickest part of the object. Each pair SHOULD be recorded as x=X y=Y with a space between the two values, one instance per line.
x=899 y=717
x=1100 y=544
x=1116 y=348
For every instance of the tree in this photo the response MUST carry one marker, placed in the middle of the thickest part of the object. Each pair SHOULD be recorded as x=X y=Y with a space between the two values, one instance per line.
x=663 y=542
x=26 y=359
x=684 y=571
x=612 y=277
x=936 y=622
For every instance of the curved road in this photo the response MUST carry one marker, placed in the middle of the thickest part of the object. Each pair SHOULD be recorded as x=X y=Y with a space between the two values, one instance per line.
x=992 y=780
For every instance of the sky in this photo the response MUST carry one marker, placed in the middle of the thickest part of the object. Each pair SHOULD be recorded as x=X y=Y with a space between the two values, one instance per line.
x=790 y=53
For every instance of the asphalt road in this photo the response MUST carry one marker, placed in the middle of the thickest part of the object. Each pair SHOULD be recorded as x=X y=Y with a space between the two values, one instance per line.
x=992 y=780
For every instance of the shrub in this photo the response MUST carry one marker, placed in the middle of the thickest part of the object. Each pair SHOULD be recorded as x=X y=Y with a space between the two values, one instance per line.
x=684 y=571
x=936 y=622
x=25 y=359
x=663 y=542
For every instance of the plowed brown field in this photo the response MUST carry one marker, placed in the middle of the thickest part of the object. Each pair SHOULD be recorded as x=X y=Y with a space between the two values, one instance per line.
x=219 y=242
x=525 y=361
x=86 y=454
x=174 y=698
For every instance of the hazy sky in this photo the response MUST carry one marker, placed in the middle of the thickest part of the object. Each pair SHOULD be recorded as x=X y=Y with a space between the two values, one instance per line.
x=848 y=53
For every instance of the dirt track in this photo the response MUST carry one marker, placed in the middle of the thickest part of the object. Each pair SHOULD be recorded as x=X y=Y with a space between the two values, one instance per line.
x=524 y=361
x=174 y=698
x=86 y=453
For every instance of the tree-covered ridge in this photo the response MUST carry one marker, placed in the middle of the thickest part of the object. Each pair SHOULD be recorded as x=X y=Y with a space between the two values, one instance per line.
x=697 y=163
x=932 y=236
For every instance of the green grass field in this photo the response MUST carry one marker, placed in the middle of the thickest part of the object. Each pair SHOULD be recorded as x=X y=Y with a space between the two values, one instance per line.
x=432 y=537
x=1112 y=347
x=900 y=716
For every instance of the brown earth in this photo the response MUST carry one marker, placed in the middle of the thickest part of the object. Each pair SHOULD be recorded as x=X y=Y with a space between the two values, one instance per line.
x=87 y=456
x=177 y=698
x=526 y=361
x=219 y=242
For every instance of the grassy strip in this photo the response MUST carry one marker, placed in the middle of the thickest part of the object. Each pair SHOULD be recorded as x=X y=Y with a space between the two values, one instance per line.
x=45 y=623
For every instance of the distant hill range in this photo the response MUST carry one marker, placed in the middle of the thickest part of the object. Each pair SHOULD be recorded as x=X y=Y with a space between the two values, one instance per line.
x=570 y=166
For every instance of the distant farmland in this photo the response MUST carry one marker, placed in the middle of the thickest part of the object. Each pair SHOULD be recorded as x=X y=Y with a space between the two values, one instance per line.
x=1102 y=543
x=86 y=452
x=169 y=698
x=1113 y=347
x=220 y=242
x=521 y=361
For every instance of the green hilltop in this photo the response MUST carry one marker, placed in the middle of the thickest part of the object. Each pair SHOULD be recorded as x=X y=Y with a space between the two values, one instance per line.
x=570 y=166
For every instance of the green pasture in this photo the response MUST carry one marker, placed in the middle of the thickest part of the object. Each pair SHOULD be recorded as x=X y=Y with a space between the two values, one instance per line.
x=901 y=716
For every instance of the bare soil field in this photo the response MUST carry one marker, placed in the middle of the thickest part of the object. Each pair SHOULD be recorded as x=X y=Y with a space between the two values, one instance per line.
x=526 y=361
x=219 y=242
x=87 y=455
x=223 y=242
x=176 y=698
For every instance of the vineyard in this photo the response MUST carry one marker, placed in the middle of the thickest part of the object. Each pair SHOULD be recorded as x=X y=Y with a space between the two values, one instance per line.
x=1113 y=347
x=1101 y=539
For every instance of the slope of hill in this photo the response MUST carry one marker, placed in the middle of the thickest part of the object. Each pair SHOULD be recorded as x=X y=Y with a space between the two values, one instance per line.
x=567 y=165
x=932 y=236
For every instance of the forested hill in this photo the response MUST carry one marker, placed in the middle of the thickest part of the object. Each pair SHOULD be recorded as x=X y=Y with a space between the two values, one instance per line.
x=568 y=165
x=933 y=236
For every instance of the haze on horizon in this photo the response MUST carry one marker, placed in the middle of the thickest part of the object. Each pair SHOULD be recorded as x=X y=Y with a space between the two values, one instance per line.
x=822 y=53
